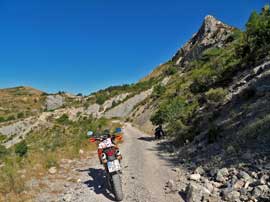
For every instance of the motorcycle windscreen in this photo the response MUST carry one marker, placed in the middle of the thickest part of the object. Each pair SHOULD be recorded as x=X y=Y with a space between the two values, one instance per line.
x=113 y=166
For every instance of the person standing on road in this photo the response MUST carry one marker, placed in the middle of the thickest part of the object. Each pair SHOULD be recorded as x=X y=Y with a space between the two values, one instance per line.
x=159 y=132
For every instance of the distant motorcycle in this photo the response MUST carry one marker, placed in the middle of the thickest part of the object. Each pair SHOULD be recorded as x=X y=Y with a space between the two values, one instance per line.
x=110 y=158
x=159 y=133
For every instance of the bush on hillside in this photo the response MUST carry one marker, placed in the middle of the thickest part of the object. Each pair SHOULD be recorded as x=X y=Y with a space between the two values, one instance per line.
x=10 y=118
x=21 y=148
x=20 y=115
x=3 y=151
x=172 y=110
x=158 y=91
x=2 y=138
x=64 y=119
x=101 y=98
x=255 y=44
x=2 y=119
x=217 y=95
x=170 y=71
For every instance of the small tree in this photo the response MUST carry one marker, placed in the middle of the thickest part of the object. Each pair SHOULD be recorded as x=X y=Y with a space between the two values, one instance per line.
x=64 y=119
x=100 y=99
x=3 y=151
x=20 y=115
x=171 y=71
x=21 y=148
x=158 y=91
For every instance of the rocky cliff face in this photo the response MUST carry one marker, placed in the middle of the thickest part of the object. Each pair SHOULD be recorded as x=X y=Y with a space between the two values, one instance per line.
x=213 y=33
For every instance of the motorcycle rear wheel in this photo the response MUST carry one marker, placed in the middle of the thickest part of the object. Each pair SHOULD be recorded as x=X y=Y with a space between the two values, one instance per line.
x=117 y=187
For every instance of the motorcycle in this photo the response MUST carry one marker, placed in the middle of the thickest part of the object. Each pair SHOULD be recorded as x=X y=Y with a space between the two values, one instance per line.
x=159 y=133
x=111 y=158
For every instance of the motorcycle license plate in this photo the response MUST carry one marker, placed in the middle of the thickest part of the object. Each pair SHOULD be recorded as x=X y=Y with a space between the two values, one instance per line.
x=114 y=166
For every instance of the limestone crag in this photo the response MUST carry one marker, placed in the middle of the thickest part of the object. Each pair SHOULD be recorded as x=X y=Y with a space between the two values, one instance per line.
x=213 y=33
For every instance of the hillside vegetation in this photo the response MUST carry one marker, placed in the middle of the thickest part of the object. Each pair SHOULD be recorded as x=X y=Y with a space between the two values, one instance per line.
x=205 y=82
x=20 y=102
x=43 y=149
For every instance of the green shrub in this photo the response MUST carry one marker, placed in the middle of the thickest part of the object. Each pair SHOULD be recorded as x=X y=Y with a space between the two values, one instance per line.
x=171 y=71
x=21 y=148
x=9 y=178
x=51 y=161
x=64 y=119
x=158 y=91
x=100 y=99
x=2 y=138
x=259 y=127
x=2 y=119
x=10 y=118
x=254 y=45
x=158 y=117
x=197 y=86
x=20 y=115
x=216 y=95
x=3 y=151
x=86 y=105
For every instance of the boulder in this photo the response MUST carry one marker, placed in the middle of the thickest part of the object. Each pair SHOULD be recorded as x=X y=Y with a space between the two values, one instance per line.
x=231 y=196
x=177 y=170
x=260 y=191
x=171 y=185
x=54 y=102
x=217 y=184
x=81 y=152
x=245 y=176
x=195 y=177
x=209 y=186
x=264 y=179
x=199 y=170
x=53 y=170
x=196 y=193
x=239 y=184
x=222 y=174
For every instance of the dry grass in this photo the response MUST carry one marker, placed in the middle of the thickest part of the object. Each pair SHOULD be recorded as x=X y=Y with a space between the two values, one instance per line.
x=46 y=148
x=20 y=102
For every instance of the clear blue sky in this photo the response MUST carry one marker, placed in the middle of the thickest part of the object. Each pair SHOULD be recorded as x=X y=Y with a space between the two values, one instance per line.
x=84 y=45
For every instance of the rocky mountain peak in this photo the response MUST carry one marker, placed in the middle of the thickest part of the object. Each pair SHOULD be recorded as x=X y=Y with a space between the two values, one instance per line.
x=212 y=33
x=211 y=24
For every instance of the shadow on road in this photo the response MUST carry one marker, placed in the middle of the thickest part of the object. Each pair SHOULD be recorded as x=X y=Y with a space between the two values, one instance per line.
x=98 y=182
x=147 y=139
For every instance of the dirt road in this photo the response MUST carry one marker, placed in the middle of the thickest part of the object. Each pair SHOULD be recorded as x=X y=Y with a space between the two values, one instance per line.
x=144 y=176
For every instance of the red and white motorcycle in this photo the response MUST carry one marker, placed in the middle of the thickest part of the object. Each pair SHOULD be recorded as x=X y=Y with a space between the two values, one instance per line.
x=111 y=158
